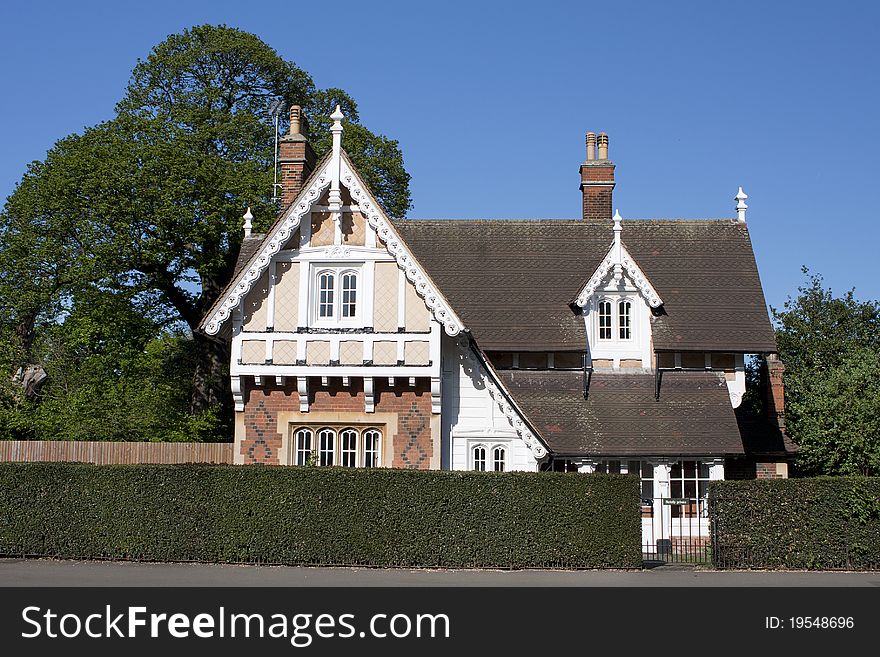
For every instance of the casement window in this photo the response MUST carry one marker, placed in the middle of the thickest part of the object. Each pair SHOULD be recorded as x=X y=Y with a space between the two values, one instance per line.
x=336 y=295
x=489 y=459
x=614 y=319
x=499 y=459
x=303 y=441
x=371 y=439
x=604 y=320
x=624 y=321
x=479 y=458
x=350 y=447
x=326 y=446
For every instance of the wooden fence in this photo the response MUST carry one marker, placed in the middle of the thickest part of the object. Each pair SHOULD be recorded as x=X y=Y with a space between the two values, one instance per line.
x=107 y=453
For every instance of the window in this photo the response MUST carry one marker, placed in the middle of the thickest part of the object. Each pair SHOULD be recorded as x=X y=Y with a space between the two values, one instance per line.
x=326 y=446
x=564 y=465
x=326 y=287
x=614 y=318
x=333 y=305
x=371 y=448
x=689 y=480
x=347 y=446
x=480 y=458
x=604 y=320
x=349 y=294
x=499 y=459
x=349 y=439
x=303 y=439
x=624 y=323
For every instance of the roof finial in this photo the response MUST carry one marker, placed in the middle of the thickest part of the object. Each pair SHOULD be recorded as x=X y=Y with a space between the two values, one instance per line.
x=618 y=251
x=336 y=129
x=335 y=197
x=248 y=226
x=741 y=206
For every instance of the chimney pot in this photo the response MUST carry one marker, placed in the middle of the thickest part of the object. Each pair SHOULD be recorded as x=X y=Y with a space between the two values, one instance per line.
x=295 y=120
x=603 y=146
x=591 y=146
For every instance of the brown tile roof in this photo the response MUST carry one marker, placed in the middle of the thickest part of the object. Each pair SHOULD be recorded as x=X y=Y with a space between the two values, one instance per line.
x=511 y=280
x=621 y=416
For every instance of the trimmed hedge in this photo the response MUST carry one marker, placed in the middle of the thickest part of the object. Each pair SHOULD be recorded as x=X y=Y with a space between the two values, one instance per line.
x=818 y=523
x=327 y=516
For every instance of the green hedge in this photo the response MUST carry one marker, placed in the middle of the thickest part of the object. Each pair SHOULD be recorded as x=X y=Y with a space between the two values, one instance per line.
x=311 y=515
x=818 y=523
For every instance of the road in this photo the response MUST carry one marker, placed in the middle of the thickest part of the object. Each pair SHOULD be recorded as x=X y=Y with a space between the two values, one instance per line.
x=45 y=572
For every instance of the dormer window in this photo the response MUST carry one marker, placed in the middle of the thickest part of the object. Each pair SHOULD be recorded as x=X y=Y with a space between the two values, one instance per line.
x=604 y=320
x=614 y=324
x=624 y=319
x=336 y=295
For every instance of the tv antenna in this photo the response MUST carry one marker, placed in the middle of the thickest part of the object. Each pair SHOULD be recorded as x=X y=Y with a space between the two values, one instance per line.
x=275 y=110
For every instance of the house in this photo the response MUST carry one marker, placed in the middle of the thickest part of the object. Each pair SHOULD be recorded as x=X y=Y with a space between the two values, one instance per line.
x=597 y=344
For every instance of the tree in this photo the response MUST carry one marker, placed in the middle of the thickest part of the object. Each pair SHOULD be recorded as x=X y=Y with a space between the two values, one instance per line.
x=148 y=205
x=831 y=349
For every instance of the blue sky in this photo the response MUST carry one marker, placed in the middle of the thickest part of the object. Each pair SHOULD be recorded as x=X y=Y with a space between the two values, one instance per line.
x=490 y=102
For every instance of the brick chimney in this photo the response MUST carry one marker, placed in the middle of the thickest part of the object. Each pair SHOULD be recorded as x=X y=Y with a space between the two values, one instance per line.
x=295 y=157
x=597 y=179
x=774 y=401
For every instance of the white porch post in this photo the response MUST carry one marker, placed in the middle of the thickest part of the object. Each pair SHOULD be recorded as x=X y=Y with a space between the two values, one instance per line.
x=662 y=512
x=716 y=469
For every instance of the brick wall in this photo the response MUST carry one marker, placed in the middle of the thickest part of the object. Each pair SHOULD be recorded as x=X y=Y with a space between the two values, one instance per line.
x=597 y=201
x=412 y=444
x=750 y=468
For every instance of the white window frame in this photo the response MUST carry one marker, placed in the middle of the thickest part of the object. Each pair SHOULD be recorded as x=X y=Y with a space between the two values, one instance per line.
x=629 y=319
x=303 y=456
x=615 y=301
x=376 y=452
x=338 y=272
x=349 y=454
x=484 y=458
x=340 y=456
x=321 y=451
x=504 y=461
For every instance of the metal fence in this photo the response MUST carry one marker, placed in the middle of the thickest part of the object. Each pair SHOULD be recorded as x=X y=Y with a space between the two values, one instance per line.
x=676 y=530
x=111 y=453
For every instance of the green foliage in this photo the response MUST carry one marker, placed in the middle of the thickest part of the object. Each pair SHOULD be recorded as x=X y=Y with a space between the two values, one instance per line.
x=302 y=515
x=111 y=379
x=815 y=523
x=831 y=350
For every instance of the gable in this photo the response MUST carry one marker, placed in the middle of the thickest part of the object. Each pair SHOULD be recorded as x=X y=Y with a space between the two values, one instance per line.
x=336 y=172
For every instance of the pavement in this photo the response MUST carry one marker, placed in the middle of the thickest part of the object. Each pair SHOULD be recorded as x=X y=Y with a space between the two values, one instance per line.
x=48 y=572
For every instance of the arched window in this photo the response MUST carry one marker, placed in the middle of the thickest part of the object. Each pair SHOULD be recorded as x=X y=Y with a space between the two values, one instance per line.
x=371 y=448
x=604 y=320
x=349 y=294
x=326 y=289
x=303 y=438
x=480 y=458
x=326 y=446
x=348 y=447
x=499 y=455
x=624 y=318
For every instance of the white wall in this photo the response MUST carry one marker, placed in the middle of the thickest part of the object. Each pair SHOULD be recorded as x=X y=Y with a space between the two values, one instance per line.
x=470 y=416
